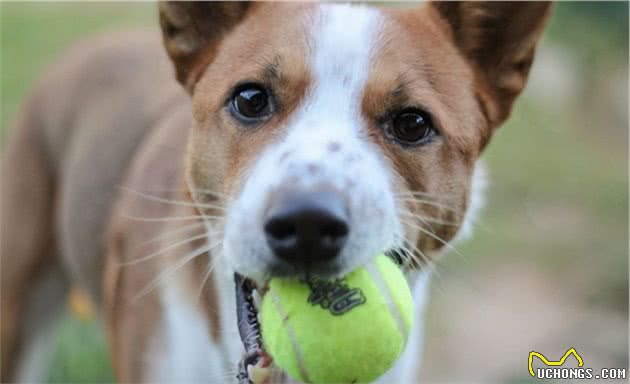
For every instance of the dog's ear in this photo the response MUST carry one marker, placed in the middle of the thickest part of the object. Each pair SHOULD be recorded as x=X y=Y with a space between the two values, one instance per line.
x=193 y=30
x=499 y=39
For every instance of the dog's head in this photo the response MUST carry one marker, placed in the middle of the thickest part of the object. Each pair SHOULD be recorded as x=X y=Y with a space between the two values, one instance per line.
x=337 y=132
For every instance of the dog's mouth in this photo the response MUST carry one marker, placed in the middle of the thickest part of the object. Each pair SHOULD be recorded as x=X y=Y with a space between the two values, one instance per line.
x=255 y=366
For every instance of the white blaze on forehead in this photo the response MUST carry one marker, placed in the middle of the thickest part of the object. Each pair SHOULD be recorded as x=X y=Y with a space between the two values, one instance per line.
x=325 y=146
x=342 y=41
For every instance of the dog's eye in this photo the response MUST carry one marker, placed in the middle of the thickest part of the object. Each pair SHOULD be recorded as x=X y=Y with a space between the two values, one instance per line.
x=251 y=102
x=412 y=127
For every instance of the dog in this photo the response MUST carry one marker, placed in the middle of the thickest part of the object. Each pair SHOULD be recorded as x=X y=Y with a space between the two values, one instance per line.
x=300 y=139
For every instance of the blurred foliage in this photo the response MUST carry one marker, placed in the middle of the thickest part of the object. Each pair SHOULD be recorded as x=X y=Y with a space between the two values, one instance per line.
x=558 y=199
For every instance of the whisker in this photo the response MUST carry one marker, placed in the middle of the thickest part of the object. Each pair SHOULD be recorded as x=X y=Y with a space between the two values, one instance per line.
x=417 y=259
x=163 y=250
x=186 y=259
x=409 y=194
x=436 y=237
x=423 y=257
x=172 y=218
x=429 y=202
x=416 y=194
x=213 y=263
x=419 y=193
x=411 y=216
x=218 y=195
x=409 y=258
x=427 y=219
x=171 y=201
x=170 y=233
x=209 y=192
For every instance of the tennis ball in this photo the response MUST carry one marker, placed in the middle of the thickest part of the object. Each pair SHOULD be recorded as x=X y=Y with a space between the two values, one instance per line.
x=346 y=330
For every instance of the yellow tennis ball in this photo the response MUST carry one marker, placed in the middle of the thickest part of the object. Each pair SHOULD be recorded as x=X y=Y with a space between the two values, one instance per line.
x=347 y=330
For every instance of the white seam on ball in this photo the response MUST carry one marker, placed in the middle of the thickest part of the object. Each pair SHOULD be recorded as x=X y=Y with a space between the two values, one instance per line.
x=385 y=291
x=299 y=358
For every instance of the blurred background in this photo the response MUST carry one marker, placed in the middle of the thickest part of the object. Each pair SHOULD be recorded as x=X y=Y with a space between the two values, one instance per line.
x=547 y=267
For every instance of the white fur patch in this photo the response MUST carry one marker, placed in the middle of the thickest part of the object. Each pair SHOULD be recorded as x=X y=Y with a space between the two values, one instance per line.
x=325 y=147
x=182 y=351
x=44 y=306
x=475 y=205
x=343 y=43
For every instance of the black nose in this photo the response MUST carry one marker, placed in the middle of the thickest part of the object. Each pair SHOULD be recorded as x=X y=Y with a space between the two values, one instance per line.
x=306 y=227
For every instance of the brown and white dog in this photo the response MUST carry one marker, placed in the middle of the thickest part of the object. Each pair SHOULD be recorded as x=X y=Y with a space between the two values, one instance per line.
x=306 y=139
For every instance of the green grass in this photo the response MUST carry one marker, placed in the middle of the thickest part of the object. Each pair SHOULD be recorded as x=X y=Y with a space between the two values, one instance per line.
x=80 y=354
x=558 y=197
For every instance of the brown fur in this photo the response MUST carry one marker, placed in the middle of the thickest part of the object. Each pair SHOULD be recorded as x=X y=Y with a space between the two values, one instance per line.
x=279 y=61
x=123 y=120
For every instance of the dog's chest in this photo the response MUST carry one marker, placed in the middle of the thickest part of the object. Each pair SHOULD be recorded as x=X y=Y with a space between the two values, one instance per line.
x=182 y=350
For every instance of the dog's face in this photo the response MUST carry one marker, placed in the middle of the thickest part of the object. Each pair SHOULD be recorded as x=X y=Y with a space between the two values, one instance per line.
x=332 y=133
x=337 y=132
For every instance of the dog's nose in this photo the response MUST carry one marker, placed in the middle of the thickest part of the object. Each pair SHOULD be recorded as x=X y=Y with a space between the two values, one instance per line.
x=306 y=227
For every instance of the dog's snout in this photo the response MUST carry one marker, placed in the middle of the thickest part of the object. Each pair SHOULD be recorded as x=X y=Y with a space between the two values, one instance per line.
x=306 y=227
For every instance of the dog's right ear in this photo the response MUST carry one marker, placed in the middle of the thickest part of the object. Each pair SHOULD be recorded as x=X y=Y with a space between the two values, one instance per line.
x=192 y=31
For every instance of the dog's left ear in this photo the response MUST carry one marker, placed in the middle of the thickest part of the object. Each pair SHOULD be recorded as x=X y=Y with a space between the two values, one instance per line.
x=192 y=31
x=499 y=39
